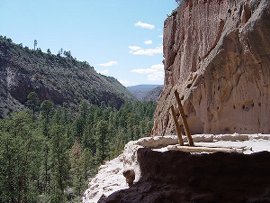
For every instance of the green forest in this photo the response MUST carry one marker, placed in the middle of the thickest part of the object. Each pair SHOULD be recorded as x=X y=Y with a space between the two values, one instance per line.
x=48 y=152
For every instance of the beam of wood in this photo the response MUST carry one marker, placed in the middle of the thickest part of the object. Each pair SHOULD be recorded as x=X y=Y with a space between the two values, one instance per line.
x=177 y=127
x=204 y=149
x=183 y=115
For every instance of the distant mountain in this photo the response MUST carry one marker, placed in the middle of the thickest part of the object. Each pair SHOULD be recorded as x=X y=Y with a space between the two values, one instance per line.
x=57 y=78
x=153 y=94
x=146 y=92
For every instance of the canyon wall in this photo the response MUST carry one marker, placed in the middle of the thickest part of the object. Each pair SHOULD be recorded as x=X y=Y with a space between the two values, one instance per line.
x=217 y=56
x=63 y=80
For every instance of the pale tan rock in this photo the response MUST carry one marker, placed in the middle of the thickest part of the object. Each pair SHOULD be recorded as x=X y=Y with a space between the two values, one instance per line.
x=217 y=55
x=116 y=174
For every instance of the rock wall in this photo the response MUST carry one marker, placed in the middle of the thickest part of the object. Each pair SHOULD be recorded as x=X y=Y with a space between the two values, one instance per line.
x=183 y=177
x=217 y=55
x=110 y=175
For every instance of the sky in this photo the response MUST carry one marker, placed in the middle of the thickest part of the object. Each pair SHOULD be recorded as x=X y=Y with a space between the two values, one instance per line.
x=120 y=38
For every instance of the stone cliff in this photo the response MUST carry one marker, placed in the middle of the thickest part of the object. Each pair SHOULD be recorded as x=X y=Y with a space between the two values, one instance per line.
x=164 y=174
x=217 y=55
x=218 y=177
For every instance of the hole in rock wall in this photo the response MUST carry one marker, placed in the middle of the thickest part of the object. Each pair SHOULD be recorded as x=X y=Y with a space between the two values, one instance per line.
x=246 y=107
x=227 y=129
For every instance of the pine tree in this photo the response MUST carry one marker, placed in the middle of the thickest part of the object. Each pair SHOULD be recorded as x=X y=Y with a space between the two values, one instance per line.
x=76 y=168
x=59 y=163
x=35 y=44
x=46 y=111
x=101 y=141
x=8 y=155
x=33 y=103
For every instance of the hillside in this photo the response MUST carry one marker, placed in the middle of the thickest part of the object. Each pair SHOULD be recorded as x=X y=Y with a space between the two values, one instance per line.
x=57 y=78
x=145 y=92
x=153 y=94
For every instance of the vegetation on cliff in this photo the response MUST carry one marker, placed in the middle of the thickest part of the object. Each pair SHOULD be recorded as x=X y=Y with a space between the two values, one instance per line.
x=59 y=78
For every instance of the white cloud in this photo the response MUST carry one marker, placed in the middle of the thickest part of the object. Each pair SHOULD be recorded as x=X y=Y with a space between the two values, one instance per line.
x=148 y=42
x=103 y=72
x=144 y=25
x=154 y=72
x=161 y=36
x=108 y=64
x=136 y=50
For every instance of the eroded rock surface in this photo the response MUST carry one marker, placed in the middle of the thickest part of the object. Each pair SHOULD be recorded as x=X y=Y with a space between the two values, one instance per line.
x=110 y=177
x=217 y=55
x=183 y=177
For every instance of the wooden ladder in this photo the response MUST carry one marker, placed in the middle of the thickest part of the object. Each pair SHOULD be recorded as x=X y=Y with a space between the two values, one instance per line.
x=184 y=121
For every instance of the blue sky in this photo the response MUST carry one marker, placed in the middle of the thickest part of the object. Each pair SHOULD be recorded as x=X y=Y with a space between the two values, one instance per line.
x=120 y=38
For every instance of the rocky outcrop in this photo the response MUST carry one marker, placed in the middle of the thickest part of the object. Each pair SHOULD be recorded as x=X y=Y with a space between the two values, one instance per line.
x=217 y=55
x=59 y=79
x=183 y=177
x=111 y=176
x=130 y=168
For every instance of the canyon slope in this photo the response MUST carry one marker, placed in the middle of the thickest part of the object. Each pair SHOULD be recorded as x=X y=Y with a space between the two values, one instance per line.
x=217 y=56
x=146 y=92
x=56 y=78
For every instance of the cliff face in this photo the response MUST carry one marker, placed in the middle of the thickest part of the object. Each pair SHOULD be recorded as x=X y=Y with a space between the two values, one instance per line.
x=59 y=79
x=217 y=55
x=164 y=174
x=218 y=177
